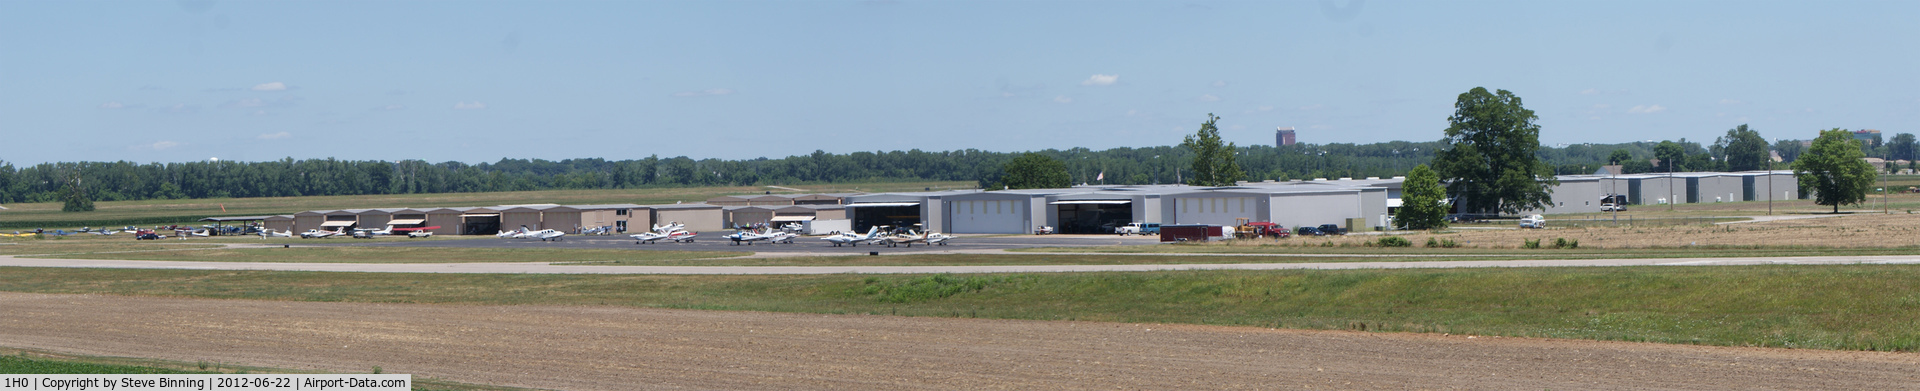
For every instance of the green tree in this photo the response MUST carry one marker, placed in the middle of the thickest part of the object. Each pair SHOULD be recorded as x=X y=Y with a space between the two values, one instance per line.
x=1903 y=147
x=1618 y=156
x=1789 y=149
x=1035 y=171
x=1490 y=161
x=1745 y=149
x=75 y=196
x=1213 y=163
x=1835 y=169
x=1672 y=157
x=1422 y=199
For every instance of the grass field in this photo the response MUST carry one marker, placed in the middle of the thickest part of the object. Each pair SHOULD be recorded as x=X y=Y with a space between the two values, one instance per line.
x=346 y=254
x=1867 y=307
x=36 y=362
x=47 y=247
x=152 y=212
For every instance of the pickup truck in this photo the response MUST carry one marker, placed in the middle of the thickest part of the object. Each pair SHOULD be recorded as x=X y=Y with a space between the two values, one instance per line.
x=1138 y=229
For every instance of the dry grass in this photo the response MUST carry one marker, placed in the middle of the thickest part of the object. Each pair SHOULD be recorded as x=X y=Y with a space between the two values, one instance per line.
x=1849 y=231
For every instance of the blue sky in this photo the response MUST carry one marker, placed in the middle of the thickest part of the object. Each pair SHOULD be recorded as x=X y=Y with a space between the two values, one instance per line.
x=478 y=81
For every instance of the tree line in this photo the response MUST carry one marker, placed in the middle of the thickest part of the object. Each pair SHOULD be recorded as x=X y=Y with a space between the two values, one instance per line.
x=122 y=180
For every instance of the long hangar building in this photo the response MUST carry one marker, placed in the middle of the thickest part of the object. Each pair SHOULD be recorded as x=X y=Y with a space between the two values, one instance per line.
x=1356 y=203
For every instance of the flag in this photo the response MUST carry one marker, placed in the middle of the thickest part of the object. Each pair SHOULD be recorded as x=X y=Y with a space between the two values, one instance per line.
x=223 y=208
x=1102 y=177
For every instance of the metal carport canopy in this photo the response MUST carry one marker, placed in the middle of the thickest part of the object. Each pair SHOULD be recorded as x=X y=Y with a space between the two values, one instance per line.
x=338 y=223
x=1091 y=202
x=855 y=205
x=792 y=218
x=406 y=221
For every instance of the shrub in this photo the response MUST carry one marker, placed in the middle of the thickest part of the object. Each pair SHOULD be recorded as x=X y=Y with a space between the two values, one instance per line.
x=1431 y=242
x=1395 y=241
x=1449 y=243
x=1530 y=243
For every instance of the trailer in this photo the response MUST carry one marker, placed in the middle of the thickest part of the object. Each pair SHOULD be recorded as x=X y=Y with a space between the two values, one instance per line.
x=1193 y=232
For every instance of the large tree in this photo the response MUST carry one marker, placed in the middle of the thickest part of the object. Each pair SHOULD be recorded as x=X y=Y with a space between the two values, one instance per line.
x=1902 y=147
x=1489 y=160
x=1422 y=201
x=1835 y=169
x=1789 y=149
x=1745 y=149
x=1035 y=171
x=1213 y=162
x=1619 y=156
x=1672 y=157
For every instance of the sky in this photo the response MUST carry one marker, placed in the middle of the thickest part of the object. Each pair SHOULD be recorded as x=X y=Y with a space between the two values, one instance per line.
x=478 y=81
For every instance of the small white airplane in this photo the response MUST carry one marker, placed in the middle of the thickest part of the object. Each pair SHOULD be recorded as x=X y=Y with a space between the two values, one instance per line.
x=318 y=234
x=938 y=239
x=270 y=233
x=515 y=234
x=546 y=235
x=905 y=238
x=670 y=226
x=104 y=231
x=601 y=230
x=781 y=237
x=748 y=237
x=852 y=239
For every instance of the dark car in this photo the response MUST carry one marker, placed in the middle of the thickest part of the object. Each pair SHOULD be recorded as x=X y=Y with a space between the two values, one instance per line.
x=147 y=236
x=1332 y=229
x=1308 y=231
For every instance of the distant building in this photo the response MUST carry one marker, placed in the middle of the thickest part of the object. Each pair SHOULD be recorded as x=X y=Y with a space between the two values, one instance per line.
x=1283 y=136
x=1866 y=134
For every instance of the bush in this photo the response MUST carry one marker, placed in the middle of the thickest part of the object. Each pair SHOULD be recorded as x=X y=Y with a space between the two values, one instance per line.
x=1449 y=243
x=1394 y=241
x=1431 y=242
x=1532 y=244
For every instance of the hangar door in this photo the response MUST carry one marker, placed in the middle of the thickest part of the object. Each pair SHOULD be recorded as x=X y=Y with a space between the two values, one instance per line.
x=1225 y=211
x=988 y=217
x=891 y=214
x=1093 y=216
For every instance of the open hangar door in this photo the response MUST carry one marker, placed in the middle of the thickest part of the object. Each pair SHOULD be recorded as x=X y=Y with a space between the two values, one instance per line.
x=891 y=214
x=987 y=216
x=480 y=224
x=1093 y=216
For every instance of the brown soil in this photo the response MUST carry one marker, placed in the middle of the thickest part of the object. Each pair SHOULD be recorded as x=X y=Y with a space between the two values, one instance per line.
x=1863 y=230
x=617 y=348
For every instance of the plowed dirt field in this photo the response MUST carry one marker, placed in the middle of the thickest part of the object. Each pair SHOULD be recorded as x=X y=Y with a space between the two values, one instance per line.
x=618 y=348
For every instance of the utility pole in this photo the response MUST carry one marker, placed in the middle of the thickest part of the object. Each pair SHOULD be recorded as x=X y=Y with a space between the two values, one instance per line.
x=1769 y=187
x=1670 y=200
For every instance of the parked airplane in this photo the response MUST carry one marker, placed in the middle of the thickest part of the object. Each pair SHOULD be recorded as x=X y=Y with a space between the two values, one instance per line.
x=904 y=238
x=546 y=235
x=938 y=239
x=748 y=237
x=515 y=234
x=318 y=234
x=271 y=233
x=852 y=239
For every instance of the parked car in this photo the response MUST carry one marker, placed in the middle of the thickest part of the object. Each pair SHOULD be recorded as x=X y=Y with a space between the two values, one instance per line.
x=1332 y=229
x=1308 y=231
x=147 y=236
x=1534 y=221
x=420 y=234
x=1138 y=229
x=1612 y=208
x=1043 y=230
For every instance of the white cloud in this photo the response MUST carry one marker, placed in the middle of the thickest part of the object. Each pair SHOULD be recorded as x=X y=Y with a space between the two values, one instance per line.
x=275 y=136
x=1590 y=91
x=1220 y=83
x=274 y=86
x=1208 y=98
x=1062 y=99
x=1266 y=108
x=112 y=106
x=1313 y=107
x=1101 y=80
x=1646 y=109
x=710 y=92
x=180 y=108
x=469 y=106
x=389 y=108
x=1131 y=113
x=249 y=102
x=157 y=146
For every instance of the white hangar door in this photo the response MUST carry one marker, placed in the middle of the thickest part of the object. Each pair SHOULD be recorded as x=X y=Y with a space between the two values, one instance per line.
x=1225 y=211
x=988 y=217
